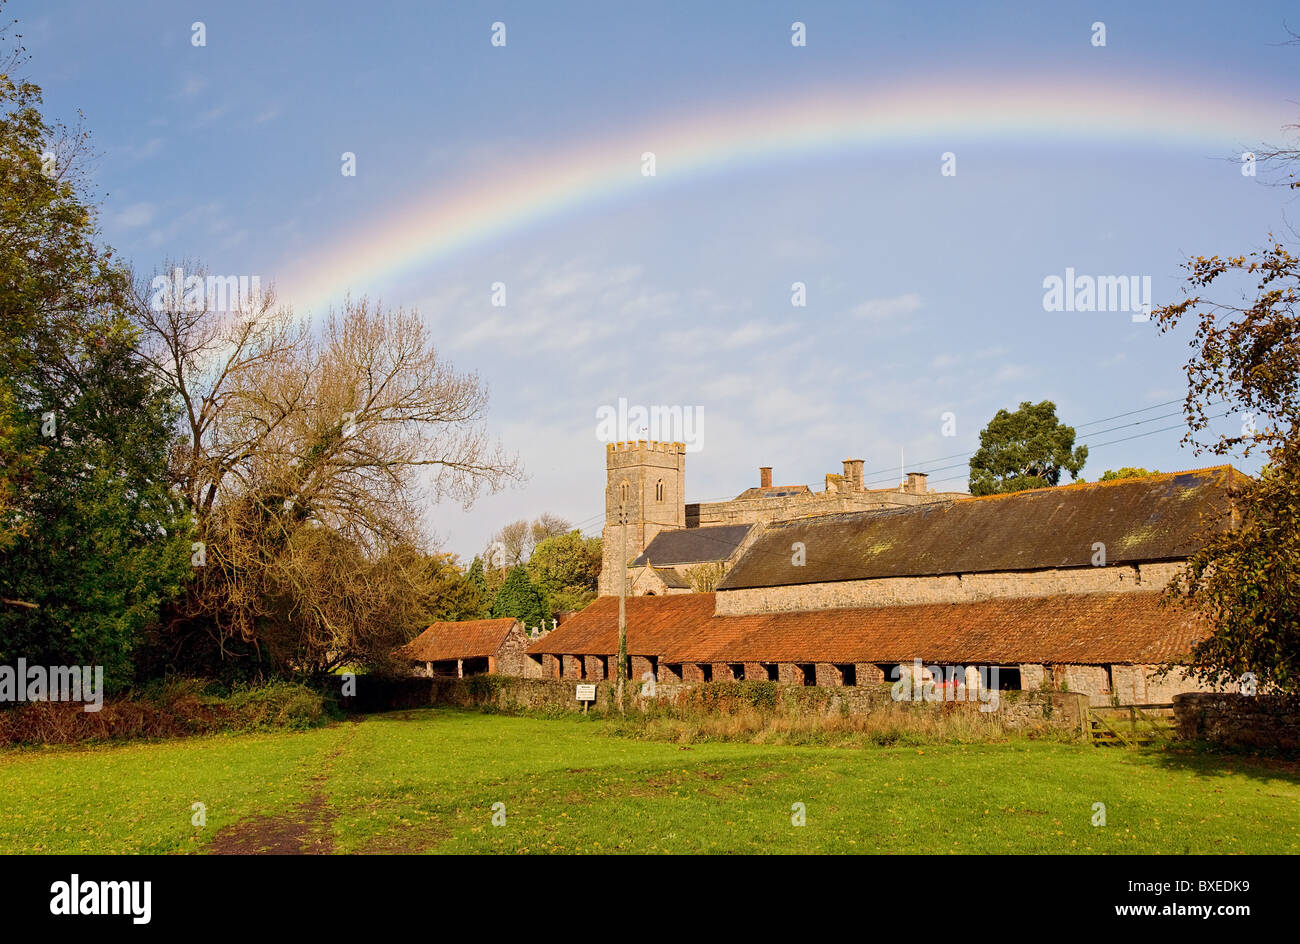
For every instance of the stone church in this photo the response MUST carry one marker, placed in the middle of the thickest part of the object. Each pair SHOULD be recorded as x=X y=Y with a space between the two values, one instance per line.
x=669 y=542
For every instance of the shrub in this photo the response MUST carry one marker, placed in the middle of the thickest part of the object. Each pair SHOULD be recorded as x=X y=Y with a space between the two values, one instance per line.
x=165 y=709
x=277 y=705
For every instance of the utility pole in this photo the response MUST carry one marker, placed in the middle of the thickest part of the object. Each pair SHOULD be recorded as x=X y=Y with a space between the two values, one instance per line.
x=622 y=609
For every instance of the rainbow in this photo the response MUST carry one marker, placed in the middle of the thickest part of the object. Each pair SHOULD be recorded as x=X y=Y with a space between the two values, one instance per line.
x=942 y=112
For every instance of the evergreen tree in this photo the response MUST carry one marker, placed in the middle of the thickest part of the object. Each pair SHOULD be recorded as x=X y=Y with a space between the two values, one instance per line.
x=92 y=540
x=519 y=597
x=478 y=582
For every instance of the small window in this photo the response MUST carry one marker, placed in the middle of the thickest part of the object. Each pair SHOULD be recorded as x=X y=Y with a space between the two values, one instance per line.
x=659 y=490
x=622 y=493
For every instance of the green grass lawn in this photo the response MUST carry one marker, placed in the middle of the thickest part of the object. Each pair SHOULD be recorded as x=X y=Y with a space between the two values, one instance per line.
x=426 y=781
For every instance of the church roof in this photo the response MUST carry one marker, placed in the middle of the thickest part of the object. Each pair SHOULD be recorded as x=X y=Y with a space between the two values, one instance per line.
x=1081 y=628
x=1154 y=518
x=693 y=545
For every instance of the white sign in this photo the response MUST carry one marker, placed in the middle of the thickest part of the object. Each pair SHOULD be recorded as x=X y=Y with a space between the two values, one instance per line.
x=586 y=693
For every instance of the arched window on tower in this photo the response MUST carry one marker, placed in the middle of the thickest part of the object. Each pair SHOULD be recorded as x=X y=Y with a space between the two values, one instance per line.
x=622 y=493
x=659 y=490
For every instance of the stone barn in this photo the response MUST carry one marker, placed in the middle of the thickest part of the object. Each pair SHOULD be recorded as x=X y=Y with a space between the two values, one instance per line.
x=1054 y=588
x=470 y=647
x=1107 y=646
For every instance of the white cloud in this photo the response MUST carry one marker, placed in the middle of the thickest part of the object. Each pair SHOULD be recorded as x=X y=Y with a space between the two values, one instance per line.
x=138 y=152
x=137 y=214
x=883 y=309
x=1012 y=373
x=190 y=88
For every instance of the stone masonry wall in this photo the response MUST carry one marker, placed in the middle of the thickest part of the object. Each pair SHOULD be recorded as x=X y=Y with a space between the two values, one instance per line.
x=1124 y=685
x=510 y=658
x=756 y=510
x=1240 y=721
x=1038 y=711
x=955 y=588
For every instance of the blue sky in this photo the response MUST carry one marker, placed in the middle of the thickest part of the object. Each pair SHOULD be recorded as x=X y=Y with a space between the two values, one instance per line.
x=925 y=293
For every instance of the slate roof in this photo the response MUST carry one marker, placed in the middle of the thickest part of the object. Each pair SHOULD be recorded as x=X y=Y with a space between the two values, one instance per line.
x=1154 y=518
x=469 y=639
x=1084 y=628
x=693 y=545
x=671 y=578
x=773 y=491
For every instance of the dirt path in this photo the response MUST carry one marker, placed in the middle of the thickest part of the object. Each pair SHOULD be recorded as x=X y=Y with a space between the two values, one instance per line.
x=303 y=830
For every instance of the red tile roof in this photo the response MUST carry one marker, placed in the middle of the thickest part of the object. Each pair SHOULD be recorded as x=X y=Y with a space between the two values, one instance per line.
x=470 y=639
x=1086 y=628
x=652 y=623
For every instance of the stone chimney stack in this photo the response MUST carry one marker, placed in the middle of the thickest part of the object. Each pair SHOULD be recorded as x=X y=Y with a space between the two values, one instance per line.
x=853 y=475
x=916 y=483
x=765 y=476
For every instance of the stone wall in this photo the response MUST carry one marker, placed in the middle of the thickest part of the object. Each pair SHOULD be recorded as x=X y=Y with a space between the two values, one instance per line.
x=952 y=588
x=510 y=658
x=763 y=510
x=1142 y=685
x=1102 y=685
x=1092 y=681
x=1018 y=711
x=1112 y=684
x=496 y=692
x=1270 y=722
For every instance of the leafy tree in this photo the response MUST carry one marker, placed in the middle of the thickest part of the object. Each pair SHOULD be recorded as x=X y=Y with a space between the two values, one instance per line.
x=1246 y=581
x=704 y=578
x=92 y=540
x=1127 y=472
x=1025 y=449
x=519 y=597
x=566 y=568
x=477 y=580
x=451 y=593
x=18 y=456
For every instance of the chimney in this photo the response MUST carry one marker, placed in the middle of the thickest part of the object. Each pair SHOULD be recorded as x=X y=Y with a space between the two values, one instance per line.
x=916 y=483
x=853 y=475
x=765 y=476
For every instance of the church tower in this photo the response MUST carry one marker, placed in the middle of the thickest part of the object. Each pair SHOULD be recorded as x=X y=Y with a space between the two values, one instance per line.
x=648 y=478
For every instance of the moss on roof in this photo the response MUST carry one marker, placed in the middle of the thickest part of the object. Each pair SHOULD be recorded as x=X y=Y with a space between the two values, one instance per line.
x=1154 y=518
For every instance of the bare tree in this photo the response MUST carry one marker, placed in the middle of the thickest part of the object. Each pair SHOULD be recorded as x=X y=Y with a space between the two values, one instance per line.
x=515 y=542
x=286 y=430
